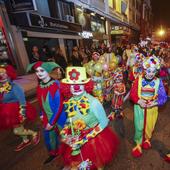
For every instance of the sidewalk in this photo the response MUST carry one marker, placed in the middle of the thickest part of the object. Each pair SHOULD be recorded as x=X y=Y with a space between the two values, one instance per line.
x=28 y=83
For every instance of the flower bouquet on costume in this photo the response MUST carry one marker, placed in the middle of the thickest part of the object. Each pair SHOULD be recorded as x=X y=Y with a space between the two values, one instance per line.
x=70 y=137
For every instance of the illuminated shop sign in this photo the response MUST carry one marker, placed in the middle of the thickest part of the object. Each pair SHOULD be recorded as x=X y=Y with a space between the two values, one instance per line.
x=86 y=34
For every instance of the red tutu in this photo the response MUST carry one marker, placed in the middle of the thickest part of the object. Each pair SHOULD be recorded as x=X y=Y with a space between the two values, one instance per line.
x=99 y=150
x=9 y=114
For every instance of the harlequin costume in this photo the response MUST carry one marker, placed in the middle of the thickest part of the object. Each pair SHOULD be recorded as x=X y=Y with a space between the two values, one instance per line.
x=51 y=103
x=86 y=133
x=119 y=91
x=14 y=109
x=147 y=95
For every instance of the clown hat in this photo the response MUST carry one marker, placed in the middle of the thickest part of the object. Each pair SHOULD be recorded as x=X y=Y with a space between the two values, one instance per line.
x=151 y=61
x=76 y=75
x=48 y=66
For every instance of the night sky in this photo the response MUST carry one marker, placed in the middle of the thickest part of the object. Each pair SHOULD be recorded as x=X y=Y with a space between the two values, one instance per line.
x=161 y=13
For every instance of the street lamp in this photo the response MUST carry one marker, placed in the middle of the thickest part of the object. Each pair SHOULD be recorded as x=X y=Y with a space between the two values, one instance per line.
x=161 y=33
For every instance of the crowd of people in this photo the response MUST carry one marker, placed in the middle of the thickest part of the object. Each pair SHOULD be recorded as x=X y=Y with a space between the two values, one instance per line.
x=75 y=123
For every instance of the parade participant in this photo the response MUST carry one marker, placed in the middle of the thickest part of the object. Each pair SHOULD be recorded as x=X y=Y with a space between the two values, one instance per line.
x=131 y=59
x=51 y=104
x=147 y=93
x=137 y=68
x=14 y=109
x=167 y=158
x=119 y=91
x=95 y=71
x=90 y=143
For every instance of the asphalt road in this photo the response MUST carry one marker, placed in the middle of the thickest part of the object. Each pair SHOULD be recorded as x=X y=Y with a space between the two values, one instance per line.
x=32 y=157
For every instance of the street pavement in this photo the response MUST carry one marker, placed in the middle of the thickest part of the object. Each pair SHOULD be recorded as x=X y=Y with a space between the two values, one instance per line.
x=32 y=157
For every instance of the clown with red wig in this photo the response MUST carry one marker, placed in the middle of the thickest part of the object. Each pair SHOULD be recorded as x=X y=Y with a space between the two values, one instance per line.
x=88 y=141
x=14 y=109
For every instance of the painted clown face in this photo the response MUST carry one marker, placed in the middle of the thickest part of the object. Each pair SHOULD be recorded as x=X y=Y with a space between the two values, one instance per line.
x=77 y=89
x=41 y=73
x=3 y=75
x=150 y=73
x=118 y=78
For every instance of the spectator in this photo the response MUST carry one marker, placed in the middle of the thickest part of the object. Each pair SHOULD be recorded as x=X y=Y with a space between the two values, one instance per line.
x=45 y=54
x=35 y=54
x=60 y=59
x=76 y=59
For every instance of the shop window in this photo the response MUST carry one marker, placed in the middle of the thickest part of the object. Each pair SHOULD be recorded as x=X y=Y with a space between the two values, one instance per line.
x=97 y=25
x=51 y=43
x=65 y=11
x=42 y=7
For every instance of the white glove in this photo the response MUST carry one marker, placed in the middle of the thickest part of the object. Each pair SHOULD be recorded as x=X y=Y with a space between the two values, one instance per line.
x=142 y=103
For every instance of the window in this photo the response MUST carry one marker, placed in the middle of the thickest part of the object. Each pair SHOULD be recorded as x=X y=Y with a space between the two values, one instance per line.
x=112 y=4
x=64 y=9
x=43 y=8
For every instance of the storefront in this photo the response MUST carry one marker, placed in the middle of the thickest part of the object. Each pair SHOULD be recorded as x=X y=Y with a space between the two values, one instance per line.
x=31 y=25
x=38 y=30
x=120 y=34
x=83 y=17
x=7 y=52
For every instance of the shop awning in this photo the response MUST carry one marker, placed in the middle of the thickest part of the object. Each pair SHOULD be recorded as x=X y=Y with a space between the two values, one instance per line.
x=50 y=35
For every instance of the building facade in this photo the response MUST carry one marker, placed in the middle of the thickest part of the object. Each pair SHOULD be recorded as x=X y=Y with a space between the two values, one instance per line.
x=68 y=23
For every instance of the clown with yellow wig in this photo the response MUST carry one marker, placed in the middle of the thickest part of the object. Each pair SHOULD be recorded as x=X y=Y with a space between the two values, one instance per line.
x=147 y=93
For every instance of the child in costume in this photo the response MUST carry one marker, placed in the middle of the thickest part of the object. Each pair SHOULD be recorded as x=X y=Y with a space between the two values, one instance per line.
x=51 y=104
x=14 y=109
x=147 y=93
x=119 y=91
x=90 y=143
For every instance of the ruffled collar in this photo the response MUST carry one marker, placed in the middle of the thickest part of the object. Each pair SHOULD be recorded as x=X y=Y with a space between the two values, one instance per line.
x=79 y=102
x=5 y=87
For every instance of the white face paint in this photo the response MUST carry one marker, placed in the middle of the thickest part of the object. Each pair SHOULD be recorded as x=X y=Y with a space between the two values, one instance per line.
x=150 y=73
x=77 y=89
x=118 y=78
x=42 y=74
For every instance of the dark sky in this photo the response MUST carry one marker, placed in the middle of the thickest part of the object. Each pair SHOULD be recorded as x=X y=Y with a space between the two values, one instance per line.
x=161 y=13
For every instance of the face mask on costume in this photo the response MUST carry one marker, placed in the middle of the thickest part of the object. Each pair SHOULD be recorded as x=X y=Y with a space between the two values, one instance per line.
x=41 y=73
x=77 y=89
x=150 y=73
x=3 y=76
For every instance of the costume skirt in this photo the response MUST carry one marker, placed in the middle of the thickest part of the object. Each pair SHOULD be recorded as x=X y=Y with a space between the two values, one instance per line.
x=99 y=150
x=9 y=114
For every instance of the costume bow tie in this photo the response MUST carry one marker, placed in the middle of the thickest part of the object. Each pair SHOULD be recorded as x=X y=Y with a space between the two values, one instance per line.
x=145 y=83
x=82 y=104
